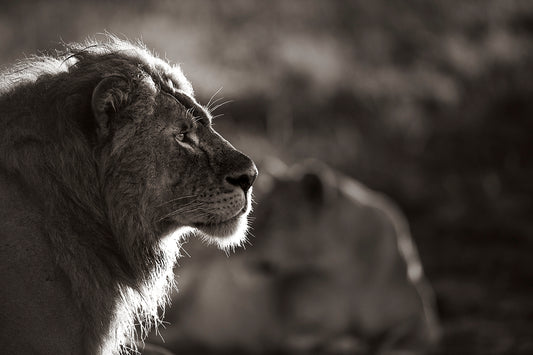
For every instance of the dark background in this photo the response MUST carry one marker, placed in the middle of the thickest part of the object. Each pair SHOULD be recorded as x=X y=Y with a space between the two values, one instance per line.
x=428 y=101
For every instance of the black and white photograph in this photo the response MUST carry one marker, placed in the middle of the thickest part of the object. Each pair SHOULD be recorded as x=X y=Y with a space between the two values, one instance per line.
x=284 y=177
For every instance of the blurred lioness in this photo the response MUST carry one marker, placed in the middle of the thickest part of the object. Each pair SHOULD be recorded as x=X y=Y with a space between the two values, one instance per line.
x=332 y=269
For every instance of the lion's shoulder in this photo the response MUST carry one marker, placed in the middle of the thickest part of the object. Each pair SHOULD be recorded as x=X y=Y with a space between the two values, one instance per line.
x=31 y=280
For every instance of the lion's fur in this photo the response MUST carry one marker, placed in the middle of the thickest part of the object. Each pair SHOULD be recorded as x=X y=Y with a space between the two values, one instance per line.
x=113 y=267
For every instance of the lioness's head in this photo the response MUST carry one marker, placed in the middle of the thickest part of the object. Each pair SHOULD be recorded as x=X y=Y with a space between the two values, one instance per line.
x=160 y=159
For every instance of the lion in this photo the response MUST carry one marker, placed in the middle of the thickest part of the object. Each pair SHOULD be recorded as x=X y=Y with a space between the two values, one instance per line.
x=332 y=269
x=107 y=162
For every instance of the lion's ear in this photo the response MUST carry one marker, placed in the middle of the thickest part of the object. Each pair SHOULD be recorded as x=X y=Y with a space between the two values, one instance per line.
x=109 y=96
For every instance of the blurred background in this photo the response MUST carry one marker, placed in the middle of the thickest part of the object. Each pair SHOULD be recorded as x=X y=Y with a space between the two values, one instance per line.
x=430 y=102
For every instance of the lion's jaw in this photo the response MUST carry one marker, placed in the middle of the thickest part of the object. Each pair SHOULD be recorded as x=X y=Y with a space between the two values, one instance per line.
x=229 y=232
x=217 y=216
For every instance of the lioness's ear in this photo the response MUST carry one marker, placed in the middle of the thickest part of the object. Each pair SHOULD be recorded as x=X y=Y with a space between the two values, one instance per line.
x=109 y=96
x=313 y=187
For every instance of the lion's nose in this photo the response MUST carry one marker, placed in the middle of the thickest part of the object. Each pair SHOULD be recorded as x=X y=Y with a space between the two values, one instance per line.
x=243 y=179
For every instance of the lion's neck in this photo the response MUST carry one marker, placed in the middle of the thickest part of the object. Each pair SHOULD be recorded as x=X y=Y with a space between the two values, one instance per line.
x=116 y=284
x=140 y=305
x=112 y=300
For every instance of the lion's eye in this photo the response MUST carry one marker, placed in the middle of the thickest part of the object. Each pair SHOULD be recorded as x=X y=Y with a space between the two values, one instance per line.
x=180 y=136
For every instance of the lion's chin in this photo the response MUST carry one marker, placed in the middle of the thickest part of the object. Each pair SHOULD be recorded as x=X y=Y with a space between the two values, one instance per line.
x=227 y=234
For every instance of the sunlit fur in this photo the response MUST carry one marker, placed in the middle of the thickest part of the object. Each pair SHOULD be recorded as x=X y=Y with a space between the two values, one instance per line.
x=232 y=237
x=99 y=220
x=33 y=67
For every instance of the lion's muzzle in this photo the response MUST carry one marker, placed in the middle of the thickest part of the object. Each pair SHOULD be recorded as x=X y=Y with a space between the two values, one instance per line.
x=243 y=179
x=240 y=170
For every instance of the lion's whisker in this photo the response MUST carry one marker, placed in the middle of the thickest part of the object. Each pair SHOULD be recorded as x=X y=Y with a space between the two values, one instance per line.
x=212 y=97
x=220 y=105
x=185 y=251
x=173 y=213
x=186 y=207
x=215 y=102
x=176 y=199
x=217 y=116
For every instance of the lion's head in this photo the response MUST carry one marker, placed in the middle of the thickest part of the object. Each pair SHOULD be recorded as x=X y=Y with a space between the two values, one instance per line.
x=117 y=159
x=157 y=150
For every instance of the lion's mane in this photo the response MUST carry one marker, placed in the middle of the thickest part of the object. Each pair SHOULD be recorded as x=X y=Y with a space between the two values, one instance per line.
x=45 y=126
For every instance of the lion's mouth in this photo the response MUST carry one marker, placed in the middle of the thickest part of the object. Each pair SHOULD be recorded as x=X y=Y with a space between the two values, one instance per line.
x=226 y=228
x=223 y=223
x=215 y=224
